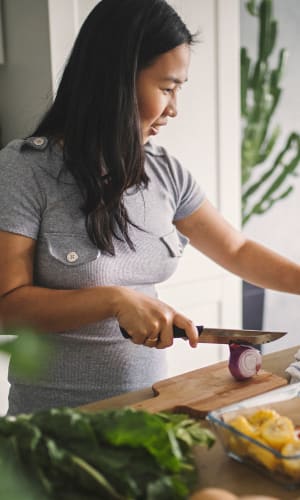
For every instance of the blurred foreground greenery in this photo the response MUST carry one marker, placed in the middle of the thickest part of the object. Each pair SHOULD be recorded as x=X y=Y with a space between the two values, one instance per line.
x=29 y=350
x=123 y=454
x=30 y=353
x=13 y=484
x=68 y=454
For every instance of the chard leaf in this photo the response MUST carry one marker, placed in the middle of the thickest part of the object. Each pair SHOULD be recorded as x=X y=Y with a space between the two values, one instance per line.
x=138 y=429
x=70 y=429
x=188 y=430
x=117 y=454
x=162 y=489
x=14 y=482
x=98 y=477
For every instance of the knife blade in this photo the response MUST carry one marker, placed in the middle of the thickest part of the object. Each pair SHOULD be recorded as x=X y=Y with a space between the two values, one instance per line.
x=225 y=336
x=229 y=336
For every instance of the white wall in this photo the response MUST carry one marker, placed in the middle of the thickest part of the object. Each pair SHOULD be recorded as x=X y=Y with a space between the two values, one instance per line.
x=25 y=76
x=65 y=19
x=280 y=227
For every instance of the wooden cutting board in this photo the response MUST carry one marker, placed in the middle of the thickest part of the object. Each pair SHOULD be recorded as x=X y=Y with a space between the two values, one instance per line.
x=201 y=391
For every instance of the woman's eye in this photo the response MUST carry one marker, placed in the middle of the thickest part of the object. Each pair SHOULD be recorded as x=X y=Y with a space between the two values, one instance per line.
x=173 y=90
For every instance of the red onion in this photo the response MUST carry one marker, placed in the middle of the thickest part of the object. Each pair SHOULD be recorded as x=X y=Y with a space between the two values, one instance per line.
x=244 y=361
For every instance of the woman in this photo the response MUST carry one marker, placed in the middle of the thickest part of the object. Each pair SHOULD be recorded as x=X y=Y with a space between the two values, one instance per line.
x=93 y=215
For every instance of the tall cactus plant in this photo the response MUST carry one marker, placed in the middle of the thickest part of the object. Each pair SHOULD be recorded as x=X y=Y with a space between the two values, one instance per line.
x=266 y=174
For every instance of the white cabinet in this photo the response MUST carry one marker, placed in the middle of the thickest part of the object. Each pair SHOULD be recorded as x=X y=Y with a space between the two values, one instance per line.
x=205 y=137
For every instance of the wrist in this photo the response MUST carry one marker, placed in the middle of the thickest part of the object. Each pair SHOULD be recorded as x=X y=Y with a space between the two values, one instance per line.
x=116 y=295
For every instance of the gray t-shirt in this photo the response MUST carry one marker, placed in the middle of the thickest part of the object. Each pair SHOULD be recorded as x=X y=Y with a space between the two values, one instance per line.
x=39 y=198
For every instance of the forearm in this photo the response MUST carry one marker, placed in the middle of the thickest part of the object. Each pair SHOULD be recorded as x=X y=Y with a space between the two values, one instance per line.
x=57 y=310
x=259 y=265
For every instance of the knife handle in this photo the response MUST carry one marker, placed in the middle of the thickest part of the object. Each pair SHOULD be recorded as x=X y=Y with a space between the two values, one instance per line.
x=124 y=333
x=178 y=333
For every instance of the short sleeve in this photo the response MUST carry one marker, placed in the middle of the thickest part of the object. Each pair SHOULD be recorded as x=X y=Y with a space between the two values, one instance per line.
x=188 y=193
x=21 y=198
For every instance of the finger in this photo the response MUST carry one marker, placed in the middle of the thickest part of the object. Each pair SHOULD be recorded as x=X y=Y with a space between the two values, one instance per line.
x=139 y=338
x=189 y=327
x=152 y=341
x=153 y=337
x=166 y=336
x=143 y=337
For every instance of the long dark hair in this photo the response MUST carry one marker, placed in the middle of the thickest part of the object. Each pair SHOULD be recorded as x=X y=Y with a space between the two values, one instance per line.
x=95 y=112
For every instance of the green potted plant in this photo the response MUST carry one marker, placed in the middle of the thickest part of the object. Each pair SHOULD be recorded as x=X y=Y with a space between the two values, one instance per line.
x=267 y=167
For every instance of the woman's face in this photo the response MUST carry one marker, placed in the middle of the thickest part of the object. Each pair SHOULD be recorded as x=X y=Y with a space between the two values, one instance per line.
x=157 y=87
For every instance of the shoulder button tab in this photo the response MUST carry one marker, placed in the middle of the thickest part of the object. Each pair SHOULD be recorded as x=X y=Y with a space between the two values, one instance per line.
x=37 y=142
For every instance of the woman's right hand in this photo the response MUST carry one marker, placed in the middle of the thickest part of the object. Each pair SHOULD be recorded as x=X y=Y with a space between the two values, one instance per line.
x=149 y=321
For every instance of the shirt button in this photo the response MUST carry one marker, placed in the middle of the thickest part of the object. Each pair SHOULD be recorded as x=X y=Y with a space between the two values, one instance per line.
x=38 y=141
x=72 y=257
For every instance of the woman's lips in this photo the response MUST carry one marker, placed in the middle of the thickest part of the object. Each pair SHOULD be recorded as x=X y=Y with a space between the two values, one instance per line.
x=154 y=130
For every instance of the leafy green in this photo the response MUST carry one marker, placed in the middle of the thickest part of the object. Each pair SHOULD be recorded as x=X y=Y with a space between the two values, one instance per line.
x=116 y=454
x=30 y=351
x=14 y=483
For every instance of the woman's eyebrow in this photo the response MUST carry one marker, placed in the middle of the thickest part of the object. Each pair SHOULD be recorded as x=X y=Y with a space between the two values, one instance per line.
x=174 y=79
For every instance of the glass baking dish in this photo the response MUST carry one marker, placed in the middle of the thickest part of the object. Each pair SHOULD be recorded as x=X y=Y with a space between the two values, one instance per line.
x=264 y=432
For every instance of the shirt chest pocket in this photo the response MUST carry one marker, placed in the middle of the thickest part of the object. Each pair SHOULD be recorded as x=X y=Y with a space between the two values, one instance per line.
x=71 y=250
x=175 y=242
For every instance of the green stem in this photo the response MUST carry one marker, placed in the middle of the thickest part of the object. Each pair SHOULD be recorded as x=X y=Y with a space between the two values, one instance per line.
x=99 y=478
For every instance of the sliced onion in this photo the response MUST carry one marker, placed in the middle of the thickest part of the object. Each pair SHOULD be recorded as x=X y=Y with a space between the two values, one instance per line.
x=244 y=361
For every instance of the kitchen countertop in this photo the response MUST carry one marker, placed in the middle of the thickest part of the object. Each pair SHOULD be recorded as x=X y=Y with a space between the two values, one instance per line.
x=215 y=468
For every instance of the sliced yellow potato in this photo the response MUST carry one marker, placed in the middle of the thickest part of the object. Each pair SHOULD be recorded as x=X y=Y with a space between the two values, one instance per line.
x=261 y=416
x=291 y=466
x=237 y=444
x=261 y=455
x=277 y=432
x=243 y=425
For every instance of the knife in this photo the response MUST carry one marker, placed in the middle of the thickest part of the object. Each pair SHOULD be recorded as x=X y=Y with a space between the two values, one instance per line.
x=225 y=336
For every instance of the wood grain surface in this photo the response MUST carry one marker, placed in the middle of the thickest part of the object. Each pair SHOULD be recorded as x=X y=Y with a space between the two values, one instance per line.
x=206 y=389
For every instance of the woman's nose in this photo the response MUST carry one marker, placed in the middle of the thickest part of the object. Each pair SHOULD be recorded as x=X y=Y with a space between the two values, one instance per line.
x=172 y=110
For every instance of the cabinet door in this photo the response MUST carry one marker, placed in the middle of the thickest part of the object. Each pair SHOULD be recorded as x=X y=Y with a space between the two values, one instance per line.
x=205 y=137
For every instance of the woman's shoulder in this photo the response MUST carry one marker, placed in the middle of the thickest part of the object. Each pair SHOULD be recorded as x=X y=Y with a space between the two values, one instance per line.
x=162 y=161
x=16 y=156
x=18 y=147
x=155 y=150
x=159 y=157
x=35 y=153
